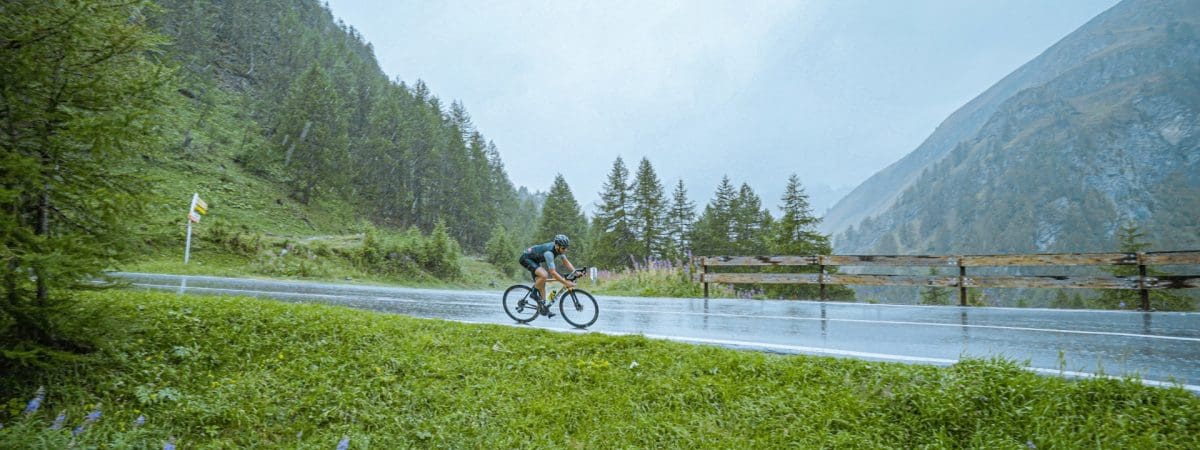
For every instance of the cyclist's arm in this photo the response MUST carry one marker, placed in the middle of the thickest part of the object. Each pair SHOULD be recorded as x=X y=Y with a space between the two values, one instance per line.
x=554 y=272
x=567 y=262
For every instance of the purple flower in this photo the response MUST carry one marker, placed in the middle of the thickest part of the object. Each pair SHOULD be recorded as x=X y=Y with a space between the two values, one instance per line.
x=1030 y=444
x=58 y=421
x=344 y=444
x=36 y=403
x=93 y=416
x=141 y=420
x=170 y=445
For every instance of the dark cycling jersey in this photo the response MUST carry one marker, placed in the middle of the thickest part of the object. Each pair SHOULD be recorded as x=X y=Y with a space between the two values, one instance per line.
x=542 y=254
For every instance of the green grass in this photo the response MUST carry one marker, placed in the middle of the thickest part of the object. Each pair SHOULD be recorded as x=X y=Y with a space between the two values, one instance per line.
x=651 y=282
x=317 y=258
x=221 y=372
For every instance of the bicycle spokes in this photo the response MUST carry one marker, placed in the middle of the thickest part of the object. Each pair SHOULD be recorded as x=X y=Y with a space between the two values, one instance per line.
x=582 y=310
x=519 y=304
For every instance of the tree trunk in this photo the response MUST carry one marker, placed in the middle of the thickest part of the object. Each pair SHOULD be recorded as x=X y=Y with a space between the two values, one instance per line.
x=43 y=229
x=306 y=193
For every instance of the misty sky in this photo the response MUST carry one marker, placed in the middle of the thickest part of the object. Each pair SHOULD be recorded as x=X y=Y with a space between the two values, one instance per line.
x=833 y=91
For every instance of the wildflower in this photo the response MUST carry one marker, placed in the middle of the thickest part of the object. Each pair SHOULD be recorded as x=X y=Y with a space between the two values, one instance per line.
x=344 y=443
x=633 y=365
x=1030 y=445
x=141 y=420
x=170 y=445
x=91 y=418
x=58 y=421
x=36 y=403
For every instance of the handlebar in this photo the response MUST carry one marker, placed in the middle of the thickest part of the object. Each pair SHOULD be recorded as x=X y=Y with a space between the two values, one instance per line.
x=576 y=274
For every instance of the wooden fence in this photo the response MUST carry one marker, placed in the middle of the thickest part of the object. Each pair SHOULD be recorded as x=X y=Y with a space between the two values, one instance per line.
x=1140 y=282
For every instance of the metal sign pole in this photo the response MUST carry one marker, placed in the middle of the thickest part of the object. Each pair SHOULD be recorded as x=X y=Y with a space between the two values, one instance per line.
x=187 y=249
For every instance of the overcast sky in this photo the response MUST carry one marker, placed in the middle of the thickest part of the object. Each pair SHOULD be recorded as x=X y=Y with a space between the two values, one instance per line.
x=831 y=90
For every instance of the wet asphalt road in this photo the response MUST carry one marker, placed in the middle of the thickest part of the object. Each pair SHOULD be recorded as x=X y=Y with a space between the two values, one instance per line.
x=1162 y=348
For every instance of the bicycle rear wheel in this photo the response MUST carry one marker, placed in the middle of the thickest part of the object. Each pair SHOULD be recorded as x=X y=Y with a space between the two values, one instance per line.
x=578 y=308
x=519 y=304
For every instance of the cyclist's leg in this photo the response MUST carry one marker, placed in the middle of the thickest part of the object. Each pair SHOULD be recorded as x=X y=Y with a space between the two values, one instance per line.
x=540 y=276
x=531 y=266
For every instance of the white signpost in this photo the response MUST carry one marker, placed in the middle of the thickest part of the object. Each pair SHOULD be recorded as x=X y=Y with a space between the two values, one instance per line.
x=197 y=209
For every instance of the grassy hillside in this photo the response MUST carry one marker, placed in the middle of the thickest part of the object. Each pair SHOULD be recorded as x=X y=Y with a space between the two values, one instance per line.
x=219 y=372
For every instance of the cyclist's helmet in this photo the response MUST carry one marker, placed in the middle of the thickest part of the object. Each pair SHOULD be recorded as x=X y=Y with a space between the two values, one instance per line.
x=562 y=241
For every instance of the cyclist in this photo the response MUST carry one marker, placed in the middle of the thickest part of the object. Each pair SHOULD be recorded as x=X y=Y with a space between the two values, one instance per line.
x=534 y=257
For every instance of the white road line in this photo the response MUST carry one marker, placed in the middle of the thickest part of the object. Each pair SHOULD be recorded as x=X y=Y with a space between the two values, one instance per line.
x=935 y=324
x=689 y=313
x=848 y=353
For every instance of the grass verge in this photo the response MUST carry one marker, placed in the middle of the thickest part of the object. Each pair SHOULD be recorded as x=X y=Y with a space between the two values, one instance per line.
x=221 y=372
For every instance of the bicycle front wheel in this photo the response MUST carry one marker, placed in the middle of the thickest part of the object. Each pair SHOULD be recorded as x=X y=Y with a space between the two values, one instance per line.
x=578 y=308
x=519 y=304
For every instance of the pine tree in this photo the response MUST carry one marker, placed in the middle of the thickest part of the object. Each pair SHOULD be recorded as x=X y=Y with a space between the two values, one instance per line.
x=80 y=95
x=614 y=240
x=475 y=186
x=441 y=252
x=796 y=232
x=561 y=215
x=1060 y=300
x=713 y=234
x=379 y=158
x=680 y=219
x=317 y=154
x=931 y=295
x=1130 y=240
x=750 y=223
x=649 y=213
x=501 y=250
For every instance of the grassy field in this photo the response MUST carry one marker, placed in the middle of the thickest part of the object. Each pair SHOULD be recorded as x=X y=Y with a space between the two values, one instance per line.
x=220 y=372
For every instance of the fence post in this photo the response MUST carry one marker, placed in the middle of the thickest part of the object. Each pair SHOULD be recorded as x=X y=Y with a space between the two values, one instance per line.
x=704 y=276
x=962 y=282
x=821 y=276
x=1145 y=294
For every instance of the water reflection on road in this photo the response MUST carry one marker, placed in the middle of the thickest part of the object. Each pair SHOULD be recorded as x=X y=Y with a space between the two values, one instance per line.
x=1160 y=347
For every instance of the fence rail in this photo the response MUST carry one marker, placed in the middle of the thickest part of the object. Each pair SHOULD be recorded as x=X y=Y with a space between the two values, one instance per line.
x=1141 y=282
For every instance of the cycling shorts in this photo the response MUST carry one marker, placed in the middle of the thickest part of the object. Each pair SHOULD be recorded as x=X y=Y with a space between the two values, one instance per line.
x=529 y=264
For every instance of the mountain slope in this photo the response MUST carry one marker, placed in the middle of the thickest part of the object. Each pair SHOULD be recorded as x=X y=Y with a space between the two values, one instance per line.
x=880 y=191
x=1113 y=137
x=286 y=123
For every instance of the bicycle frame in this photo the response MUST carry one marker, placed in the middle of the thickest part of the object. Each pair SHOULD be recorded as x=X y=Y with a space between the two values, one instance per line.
x=516 y=306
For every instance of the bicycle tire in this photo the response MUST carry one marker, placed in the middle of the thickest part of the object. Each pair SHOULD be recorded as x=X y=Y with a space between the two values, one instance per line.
x=578 y=308
x=519 y=305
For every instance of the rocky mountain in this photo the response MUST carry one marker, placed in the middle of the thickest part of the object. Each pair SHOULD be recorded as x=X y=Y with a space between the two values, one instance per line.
x=1101 y=129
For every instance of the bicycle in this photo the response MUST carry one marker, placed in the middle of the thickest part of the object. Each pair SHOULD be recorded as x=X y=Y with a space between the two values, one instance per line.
x=577 y=306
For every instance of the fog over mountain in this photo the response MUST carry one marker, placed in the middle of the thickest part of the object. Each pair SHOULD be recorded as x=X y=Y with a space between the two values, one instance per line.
x=1100 y=130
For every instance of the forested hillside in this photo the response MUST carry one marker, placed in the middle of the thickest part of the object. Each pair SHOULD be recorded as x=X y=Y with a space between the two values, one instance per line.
x=297 y=99
x=1112 y=139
